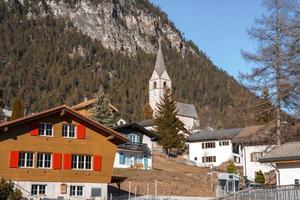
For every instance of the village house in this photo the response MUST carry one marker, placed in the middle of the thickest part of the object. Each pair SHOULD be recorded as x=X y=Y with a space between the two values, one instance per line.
x=255 y=143
x=286 y=159
x=58 y=153
x=212 y=148
x=137 y=152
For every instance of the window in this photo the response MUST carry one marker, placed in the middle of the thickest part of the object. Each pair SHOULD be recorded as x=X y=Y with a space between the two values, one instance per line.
x=154 y=85
x=235 y=148
x=76 y=190
x=208 y=145
x=255 y=156
x=138 y=159
x=208 y=159
x=81 y=162
x=96 y=192
x=195 y=158
x=25 y=159
x=68 y=130
x=134 y=138
x=165 y=84
x=128 y=159
x=43 y=160
x=38 y=189
x=45 y=129
x=224 y=143
x=237 y=159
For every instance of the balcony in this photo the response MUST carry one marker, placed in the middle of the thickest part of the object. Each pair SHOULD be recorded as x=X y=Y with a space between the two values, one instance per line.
x=135 y=147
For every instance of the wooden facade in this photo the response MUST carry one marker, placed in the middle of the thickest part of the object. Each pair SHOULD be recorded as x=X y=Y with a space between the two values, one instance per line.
x=91 y=139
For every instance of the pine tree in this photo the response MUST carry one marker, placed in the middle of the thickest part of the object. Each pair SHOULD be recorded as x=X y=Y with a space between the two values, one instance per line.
x=265 y=108
x=259 y=177
x=102 y=112
x=147 y=112
x=17 y=110
x=168 y=126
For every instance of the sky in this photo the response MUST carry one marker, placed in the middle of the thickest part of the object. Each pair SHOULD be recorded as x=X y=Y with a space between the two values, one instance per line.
x=218 y=27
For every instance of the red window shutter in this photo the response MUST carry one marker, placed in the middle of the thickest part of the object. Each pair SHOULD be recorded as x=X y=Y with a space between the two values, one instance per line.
x=56 y=160
x=14 y=159
x=97 y=162
x=67 y=161
x=34 y=127
x=80 y=131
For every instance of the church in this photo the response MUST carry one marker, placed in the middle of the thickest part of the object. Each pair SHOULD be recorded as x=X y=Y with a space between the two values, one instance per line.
x=159 y=80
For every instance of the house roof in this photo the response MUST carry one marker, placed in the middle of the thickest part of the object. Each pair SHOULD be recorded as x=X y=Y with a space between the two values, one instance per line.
x=253 y=134
x=186 y=110
x=116 y=139
x=226 y=134
x=147 y=122
x=160 y=66
x=137 y=127
x=289 y=151
x=90 y=102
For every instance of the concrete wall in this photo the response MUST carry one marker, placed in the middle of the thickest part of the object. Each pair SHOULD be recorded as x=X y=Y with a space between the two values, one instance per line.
x=250 y=167
x=53 y=190
x=288 y=172
x=222 y=153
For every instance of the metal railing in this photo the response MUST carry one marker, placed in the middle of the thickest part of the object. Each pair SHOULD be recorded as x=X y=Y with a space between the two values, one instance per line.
x=287 y=192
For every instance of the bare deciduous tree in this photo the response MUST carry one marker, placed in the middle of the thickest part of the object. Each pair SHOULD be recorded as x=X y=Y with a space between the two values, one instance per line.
x=276 y=58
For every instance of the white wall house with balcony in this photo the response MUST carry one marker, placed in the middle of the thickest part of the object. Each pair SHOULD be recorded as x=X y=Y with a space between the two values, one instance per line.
x=137 y=152
x=212 y=148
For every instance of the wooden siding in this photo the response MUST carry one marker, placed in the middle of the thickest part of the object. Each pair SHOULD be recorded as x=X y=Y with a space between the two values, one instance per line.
x=19 y=139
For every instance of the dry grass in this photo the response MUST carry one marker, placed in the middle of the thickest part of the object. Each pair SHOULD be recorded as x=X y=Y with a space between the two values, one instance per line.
x=172 y=178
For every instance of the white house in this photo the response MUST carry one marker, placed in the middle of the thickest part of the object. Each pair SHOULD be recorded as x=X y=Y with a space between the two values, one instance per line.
x=158 y=82
x=286 y=159
x=255 y=143
x=137 y=153
x=215 y=147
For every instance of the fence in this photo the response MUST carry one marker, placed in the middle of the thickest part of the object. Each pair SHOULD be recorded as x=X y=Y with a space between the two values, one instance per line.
x=288 y=192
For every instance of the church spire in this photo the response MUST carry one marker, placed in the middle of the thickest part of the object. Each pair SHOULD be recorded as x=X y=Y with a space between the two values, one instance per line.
x=160 y=66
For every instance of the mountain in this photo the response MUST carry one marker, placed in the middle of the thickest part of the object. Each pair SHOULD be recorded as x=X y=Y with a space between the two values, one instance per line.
x=60 y=51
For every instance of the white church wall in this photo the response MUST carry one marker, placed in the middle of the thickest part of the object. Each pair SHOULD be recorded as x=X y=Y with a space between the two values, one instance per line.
x=188 y=122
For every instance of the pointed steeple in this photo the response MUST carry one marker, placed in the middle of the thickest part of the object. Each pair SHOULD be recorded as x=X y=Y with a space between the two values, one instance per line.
x=160 y=66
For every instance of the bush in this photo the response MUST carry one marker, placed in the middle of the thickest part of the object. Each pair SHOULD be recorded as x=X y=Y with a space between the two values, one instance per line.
x=8 y=190
x=231 y=168
x=259 y=177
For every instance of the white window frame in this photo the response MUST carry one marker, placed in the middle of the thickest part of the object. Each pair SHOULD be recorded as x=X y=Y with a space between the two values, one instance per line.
x=76 y=190
x=26 y=159
x=224 y=143
x=204 y=158
x=208 y=145
x=84 y=162
x=44 y=160
x=38 y=190
x=68 y=130
x=44 y=132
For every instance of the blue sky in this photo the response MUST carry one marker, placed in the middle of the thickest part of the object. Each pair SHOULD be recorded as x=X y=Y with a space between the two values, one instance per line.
x=218 y=27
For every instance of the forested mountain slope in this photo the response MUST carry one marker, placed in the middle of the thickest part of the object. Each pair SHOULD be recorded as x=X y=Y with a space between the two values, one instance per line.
x=58 y=51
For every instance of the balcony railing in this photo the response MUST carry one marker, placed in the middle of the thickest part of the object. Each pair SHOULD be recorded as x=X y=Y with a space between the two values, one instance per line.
x=135 y=146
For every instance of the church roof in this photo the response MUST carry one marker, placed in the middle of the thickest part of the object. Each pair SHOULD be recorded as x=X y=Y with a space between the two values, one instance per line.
x=160 y=66
x=186 y=110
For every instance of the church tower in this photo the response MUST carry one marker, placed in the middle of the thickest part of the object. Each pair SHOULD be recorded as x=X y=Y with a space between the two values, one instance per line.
x=158 y=81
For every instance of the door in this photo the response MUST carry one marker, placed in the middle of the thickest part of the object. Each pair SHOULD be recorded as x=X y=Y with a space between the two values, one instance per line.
x=146 y=162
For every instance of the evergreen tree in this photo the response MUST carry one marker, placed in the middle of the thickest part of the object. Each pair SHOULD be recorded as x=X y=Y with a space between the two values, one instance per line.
x=17 y=110
x=8 y=191
x=231 y=168
x=259 y=177
x=102 y=111
x=264 y=112
x=168 y=126
x=147 y=112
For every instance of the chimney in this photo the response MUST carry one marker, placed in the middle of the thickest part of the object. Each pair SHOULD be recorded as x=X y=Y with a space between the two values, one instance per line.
x=25 y=111
x=85 y=99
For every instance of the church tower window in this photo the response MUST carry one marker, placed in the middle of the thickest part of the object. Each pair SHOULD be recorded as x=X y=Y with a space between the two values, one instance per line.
x=154 y=85
x=165 y=84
